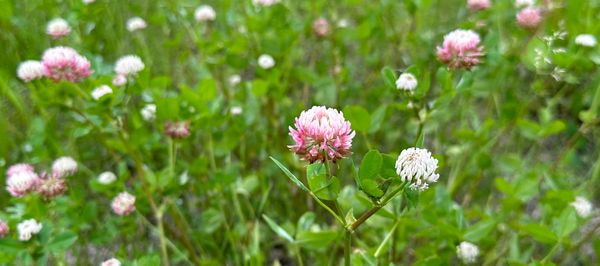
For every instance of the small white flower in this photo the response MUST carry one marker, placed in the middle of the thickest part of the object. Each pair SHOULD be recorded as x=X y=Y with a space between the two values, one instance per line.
x=58 y=27
x=407 y=82
x=149 y=112
x=582 y=206
x=28 y=228
x=417 y=166
x=135 y=23
x=524 y=3
x=266 y=61
x=111 y=262
x=235 y=80
x=586 y=40
x=87 y=2
x=343 y=23
x=107 y=178
x=236 y=110
x=205 y=13
x=64 y=166
x=97 y=93
x=30 y=70
x=265 y=2
x=467 y=252
x=129 y=65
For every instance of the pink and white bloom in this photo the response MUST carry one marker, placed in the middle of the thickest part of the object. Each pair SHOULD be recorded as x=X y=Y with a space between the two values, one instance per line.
x=321 y=27
x=20 y=183
x=129 y=65
x=476 y=5
x=64 y=166
x=205 y=13
x=460 y=49
x=177 y=130
x=529 y=18
x=97 y=93
x=119 y=80
x=265 y=3
x=4 y=229
x=57 y=28
x=64 y=63
x=136 y=23
x=30 y=70
x=111 y=262
x=20 y=167
x=123 y=204
x=28 y=228
x=321 y=134
x=51 y=185
x=417 y=166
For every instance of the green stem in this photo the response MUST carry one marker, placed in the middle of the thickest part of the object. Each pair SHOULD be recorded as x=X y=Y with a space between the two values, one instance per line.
x=337 y=217
x=162 y=238
x=171 y=158
x=376 y=208
x=347 y=245
x=386 y=239
x=551 y=253
x=211 y=154
x=298 y=256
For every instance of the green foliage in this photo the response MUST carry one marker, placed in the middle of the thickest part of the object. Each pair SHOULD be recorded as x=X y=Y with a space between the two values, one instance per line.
x=516 y=137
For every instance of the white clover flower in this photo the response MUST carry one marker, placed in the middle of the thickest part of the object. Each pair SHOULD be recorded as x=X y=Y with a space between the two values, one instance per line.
x=136 y=23
x=97 y=93
x=205 y=13
x=582 y=206
x=524 y=3
x=64 y=166
x=111 y=262
x=407 y=82
x=149 y=112
x=266 y=61
x=467 y=252
x=129 y=65
x=265 y=2
x=236 y=110
x=586 y=40
x=343 y=23
x=58 y=27
x=87 y=2
x=30 y=70
x=234 y=80
x=28 y=228
x=106 y=178
x=417 y=166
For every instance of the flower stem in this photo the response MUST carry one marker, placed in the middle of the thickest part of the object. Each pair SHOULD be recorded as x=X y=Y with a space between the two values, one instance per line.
x=347 y=245
x=376 y=208
x=171 y=158
x=337 y=217
x=162 y=238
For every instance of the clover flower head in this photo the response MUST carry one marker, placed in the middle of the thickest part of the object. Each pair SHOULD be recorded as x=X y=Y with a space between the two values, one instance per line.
x=417 y=166
x=460 y=49
x=321 y=134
